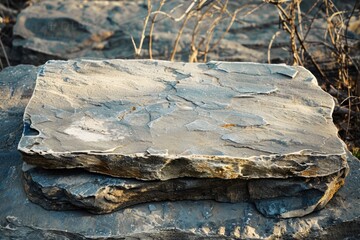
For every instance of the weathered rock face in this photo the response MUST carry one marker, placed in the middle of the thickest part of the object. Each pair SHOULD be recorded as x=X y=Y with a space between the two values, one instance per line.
x=59 y=190
x=21 y=219
x=215 y=120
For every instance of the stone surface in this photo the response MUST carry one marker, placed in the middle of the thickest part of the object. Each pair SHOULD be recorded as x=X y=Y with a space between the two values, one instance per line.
x=65 y=190
x=21 y=219
x=215 y=120
x=16 y=87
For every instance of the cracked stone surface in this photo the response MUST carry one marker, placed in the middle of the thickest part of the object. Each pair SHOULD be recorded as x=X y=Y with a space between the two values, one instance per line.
x=22 y=219
x=59 y=190
x=157 y=120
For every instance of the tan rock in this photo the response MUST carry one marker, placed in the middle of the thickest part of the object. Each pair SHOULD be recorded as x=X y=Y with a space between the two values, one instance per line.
x=160 y=120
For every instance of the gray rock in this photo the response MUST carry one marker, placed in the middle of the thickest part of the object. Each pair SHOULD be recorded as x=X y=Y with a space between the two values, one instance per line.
x=66 y=29
x=16 y=87
x=215 y=120
x=65 y=190
x=21 y=219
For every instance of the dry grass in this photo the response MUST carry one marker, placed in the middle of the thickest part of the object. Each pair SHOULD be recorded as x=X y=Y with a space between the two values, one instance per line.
x=197 y=15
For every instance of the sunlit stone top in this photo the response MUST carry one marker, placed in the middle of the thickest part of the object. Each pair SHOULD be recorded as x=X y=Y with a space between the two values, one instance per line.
x=160 y=120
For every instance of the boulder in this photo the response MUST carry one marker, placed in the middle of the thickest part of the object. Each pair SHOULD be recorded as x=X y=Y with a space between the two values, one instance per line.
x=181 y=120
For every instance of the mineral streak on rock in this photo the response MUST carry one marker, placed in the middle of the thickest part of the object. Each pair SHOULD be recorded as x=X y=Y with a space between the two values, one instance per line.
x=157 y=120
x=60 y=190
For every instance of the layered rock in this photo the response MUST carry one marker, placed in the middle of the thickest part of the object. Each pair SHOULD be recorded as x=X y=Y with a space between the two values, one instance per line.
x=21 y=219
x=242 y=140
x=59 y=190
x=215 y=120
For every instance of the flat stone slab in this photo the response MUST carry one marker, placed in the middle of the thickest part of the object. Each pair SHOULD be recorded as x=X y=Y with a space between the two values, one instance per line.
x=22 y=219
x=161 y=120
x=59 y=190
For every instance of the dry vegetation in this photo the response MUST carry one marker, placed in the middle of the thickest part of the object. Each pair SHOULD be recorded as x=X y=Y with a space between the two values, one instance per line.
x=322 y=37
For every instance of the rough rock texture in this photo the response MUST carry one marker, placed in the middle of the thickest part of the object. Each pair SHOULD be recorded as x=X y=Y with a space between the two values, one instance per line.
x=16 y=87
x=64 y=190
x=71 y=189
x=215 y=120
x=21 y=219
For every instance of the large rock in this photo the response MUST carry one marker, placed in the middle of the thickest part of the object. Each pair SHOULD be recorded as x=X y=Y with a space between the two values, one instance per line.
x=154 y=120
x=66 y=29
x=21 y=219
x=106 y=116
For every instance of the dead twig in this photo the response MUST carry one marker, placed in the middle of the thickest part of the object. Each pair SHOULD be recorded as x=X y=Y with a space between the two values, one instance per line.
x=271 y=43
x=138 y=49
x=172 y=57
x=152 y=27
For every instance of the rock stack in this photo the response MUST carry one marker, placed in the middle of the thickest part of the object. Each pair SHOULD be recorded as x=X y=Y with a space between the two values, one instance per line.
x=156 y=149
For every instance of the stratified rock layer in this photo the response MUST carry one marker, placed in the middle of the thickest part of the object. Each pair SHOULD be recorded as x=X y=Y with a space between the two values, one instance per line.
x=157 y=120
x=60 y=190
x=20 y=218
